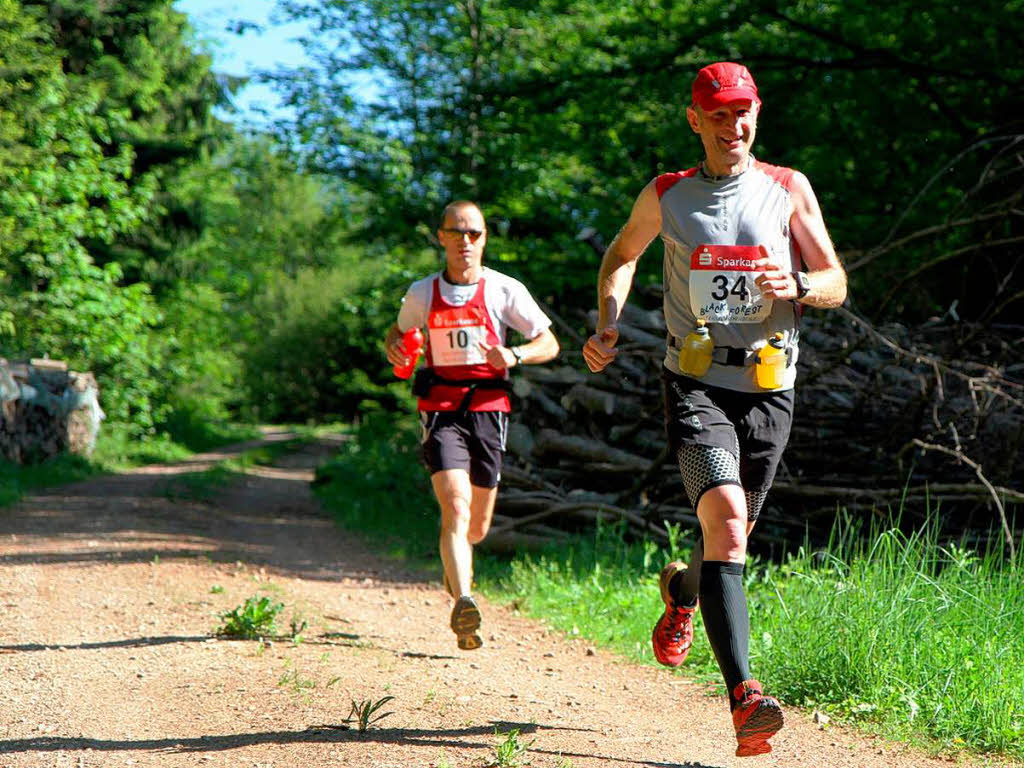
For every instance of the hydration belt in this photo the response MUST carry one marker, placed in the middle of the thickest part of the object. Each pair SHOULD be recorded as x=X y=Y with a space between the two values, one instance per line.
x=738 y=356
x=426 y=378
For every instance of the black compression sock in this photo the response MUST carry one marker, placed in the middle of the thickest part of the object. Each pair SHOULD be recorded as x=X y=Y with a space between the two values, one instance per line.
x=685 y=586
x=723 y=604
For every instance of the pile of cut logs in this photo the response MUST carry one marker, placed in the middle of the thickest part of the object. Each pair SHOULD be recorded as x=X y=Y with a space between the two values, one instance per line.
x=888 y=420
x=45 y=409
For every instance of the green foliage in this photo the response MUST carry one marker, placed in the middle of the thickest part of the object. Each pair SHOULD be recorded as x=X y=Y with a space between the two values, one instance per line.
x=99 y=109
x=202 y=274
x=62 y=186
x=253 y=620
x=320 y=349
x=904 y=632
x=379 y=465
x=365 y=713
x=510 y=752
x=244 y=296
x=555 y=114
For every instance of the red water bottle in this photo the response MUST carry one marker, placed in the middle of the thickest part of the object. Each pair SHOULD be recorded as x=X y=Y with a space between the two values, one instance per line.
x=412 y=345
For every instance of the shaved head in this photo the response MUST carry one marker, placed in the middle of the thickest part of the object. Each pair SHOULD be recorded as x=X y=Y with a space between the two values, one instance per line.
x=458 y=205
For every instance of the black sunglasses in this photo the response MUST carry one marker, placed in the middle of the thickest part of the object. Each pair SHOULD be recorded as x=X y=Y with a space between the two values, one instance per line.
x=472 y=234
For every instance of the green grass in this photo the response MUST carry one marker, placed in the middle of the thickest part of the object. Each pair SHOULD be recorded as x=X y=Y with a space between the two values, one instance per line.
x=116 y=450
x=119 y=449
x=911 y=639
x=903 y=634
x=377 y=485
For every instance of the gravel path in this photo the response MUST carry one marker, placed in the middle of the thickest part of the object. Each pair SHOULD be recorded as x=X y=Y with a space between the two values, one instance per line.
x=111 y=591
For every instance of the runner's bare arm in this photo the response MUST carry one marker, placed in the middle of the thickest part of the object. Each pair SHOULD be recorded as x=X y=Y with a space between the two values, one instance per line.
x=616 y=276
x=825 y=273
x=539 y=349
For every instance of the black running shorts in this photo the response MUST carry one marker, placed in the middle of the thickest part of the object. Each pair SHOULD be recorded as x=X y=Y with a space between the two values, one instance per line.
x=469 y=440
x=758 y=422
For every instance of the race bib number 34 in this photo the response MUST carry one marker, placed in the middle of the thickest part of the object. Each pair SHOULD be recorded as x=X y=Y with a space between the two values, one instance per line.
x=456 y=334
x=722 y=288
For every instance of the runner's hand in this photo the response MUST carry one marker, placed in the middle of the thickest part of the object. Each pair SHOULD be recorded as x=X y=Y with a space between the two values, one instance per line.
x=395 y=352
x=774 y=281
x=498 y=356
x=600 y=348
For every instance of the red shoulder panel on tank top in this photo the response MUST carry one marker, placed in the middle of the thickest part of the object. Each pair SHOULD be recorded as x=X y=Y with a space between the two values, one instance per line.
x=666 y=181
x=783 y=176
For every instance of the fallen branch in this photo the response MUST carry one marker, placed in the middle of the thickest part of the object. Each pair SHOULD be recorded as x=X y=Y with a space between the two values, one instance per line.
x=959 y=456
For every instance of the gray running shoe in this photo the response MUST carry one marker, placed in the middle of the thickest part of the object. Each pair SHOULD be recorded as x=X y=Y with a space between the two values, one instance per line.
x=466 y=623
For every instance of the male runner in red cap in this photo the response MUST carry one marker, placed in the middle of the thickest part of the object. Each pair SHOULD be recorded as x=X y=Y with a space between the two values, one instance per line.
x=745 y=248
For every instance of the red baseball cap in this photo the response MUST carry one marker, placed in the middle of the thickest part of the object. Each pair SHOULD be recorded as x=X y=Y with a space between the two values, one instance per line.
x=723 y=82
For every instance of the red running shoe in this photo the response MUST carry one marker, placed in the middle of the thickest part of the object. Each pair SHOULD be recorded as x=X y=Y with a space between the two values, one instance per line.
x=756 y=719
x=673 y=634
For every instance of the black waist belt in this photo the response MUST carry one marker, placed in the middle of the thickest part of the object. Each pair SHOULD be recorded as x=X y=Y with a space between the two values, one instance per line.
x=738 y=356
x=427 y=378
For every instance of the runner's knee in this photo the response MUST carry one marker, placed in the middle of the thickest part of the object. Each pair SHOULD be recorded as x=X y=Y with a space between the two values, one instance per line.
x=455 y=515
x=723 y=518
x=477 y=533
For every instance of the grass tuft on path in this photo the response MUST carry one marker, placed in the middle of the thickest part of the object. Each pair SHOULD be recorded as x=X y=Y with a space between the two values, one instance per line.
x=906 y=635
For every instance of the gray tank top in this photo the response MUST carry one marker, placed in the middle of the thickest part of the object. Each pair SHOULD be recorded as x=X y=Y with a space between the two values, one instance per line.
x=713 y=227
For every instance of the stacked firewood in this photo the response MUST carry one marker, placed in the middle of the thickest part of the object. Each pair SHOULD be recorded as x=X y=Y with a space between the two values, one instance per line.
x=888 y=420
x=45 y=410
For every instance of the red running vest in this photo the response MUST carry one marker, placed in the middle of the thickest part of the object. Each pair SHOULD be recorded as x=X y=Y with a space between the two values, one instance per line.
x=454 y=334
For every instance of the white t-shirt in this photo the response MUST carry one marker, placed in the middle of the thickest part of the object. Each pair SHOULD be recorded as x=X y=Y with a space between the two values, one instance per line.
x=508 y=303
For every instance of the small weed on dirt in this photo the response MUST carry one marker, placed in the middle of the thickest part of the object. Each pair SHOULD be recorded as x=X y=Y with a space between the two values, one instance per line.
x=296 y=629
x=364 y=713
x=253 y=620
x=511 y=752
x=294 y=680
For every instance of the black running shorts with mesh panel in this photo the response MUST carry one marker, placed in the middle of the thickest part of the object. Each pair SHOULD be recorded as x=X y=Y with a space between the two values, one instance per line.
x=754 y=422
x=469 y=440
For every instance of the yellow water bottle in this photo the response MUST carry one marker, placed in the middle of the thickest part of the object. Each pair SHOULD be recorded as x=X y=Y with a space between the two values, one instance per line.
x=770 y=368
x=695 y=354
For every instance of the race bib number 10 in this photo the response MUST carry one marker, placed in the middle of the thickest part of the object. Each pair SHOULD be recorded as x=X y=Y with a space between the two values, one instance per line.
x=455 y=336
x=722 y=288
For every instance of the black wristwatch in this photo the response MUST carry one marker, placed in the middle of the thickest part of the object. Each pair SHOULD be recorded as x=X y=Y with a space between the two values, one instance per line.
x=803 y=284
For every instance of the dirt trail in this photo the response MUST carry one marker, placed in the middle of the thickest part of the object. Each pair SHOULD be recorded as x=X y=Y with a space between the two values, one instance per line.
x=107 y=656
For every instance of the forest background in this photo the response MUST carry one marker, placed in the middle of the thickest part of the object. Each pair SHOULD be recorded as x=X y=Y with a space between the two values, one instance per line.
x=207 y=272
